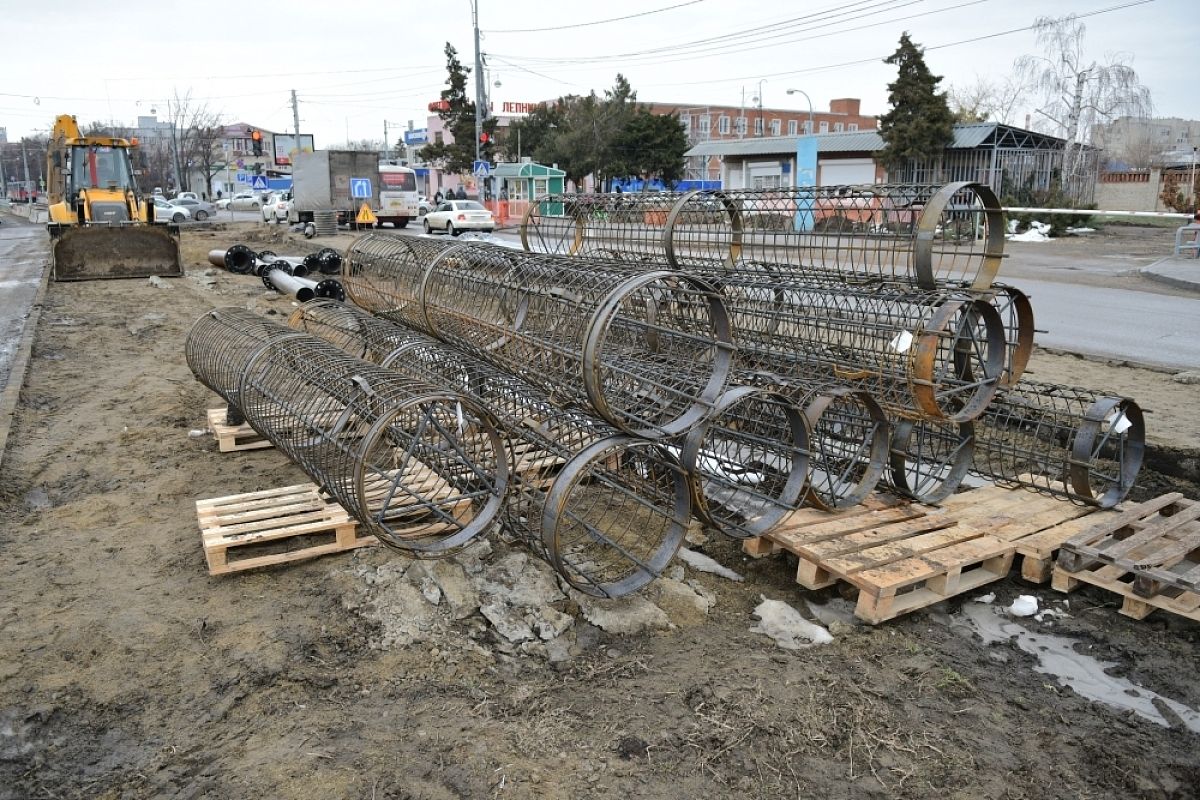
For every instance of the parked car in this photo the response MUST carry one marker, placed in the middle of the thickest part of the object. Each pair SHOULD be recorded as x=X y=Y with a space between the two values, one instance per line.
x=201 y=210
x=276 y=207
x=456 y=216
x=246 y=201
x=186 y=196
x=423 y=205
x=223 y=203
x=166 y=211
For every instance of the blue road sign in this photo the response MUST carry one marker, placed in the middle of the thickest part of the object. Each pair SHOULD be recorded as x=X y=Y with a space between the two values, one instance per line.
x=360 y=188
x=481 y=169
x=258 y=182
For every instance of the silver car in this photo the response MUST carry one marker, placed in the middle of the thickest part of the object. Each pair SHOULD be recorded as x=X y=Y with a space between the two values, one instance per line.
x=166 y=211
x=201 y=209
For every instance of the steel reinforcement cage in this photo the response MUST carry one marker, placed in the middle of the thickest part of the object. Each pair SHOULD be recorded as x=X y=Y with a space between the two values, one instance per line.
x=608 y=511
x=935 y=354
x=590 y=333
x=422 y=468
x=925 y=235
x=1062 y=440
x=748 y=464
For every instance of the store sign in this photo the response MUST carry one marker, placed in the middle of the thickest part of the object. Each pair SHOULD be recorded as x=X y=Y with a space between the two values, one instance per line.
x=518 y=108
x=418 y=136
x=286 y=146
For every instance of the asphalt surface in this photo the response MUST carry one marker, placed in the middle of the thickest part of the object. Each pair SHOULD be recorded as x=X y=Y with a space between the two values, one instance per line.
x=1120 y=324
x=24 y=254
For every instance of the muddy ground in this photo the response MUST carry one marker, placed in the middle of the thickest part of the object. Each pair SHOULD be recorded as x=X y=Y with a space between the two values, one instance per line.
x=127 y=672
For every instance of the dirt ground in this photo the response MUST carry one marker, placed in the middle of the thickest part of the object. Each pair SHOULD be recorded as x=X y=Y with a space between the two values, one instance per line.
x=127 y=672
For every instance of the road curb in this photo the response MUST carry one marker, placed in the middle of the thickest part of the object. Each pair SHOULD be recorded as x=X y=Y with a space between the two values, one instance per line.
x=20 y=363
x=1150 y=271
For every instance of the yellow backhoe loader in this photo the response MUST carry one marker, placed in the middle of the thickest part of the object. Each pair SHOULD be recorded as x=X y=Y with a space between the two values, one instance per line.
x=100 y=226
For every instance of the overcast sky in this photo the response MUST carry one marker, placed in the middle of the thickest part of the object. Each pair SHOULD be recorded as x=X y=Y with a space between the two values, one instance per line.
x=356 y=64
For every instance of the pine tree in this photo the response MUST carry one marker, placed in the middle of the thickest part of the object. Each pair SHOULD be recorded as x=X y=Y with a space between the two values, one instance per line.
x=920 y=124
x=458 y=114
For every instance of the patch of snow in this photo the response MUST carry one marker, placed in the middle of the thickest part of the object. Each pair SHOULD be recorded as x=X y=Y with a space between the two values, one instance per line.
x=787 y=627
x=702 y=563
x=1025 y=605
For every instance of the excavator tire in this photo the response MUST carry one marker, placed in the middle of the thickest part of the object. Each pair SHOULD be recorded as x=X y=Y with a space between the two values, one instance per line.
x=104 y=251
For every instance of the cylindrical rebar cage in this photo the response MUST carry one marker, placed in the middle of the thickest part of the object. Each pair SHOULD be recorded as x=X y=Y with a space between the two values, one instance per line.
x=1061 y=440
x=929 y=458
x=749 y=462
x=919 y=234
x=607 y=510
x=589 y=332
x=848 y=443
x=921 y=354
x=422 y=468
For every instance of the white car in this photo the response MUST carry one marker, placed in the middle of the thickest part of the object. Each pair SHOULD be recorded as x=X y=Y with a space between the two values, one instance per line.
x=276 y=208
x=187 y=196
x=166 y=211
x=456 y=216
x=423 y=206
x=245 y=201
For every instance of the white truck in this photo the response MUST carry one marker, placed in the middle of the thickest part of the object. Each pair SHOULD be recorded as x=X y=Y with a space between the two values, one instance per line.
x=342 y=180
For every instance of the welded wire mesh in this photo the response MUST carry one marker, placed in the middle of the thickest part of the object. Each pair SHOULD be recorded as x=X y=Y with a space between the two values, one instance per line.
x=423 y=469
x=919 y=234
x=1061 y=440
x=591 y=333
x=607 y=510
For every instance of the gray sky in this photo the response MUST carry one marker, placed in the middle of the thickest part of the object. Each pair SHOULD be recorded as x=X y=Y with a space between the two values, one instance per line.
x=356 y=64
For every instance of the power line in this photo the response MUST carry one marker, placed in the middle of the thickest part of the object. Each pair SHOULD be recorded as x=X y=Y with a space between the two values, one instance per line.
x=596 y=22
x=741 y=38
x=876 y=59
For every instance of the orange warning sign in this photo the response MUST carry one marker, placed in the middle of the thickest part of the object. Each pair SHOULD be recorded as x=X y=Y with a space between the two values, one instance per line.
x=365 y=216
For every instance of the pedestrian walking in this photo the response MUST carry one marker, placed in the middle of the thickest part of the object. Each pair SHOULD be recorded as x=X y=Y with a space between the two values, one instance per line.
x=437 y=198
x=462 y=194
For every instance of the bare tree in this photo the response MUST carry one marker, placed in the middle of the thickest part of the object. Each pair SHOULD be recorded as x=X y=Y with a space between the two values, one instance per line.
x=986 y=100
x=196 y=134
x=1078 y=93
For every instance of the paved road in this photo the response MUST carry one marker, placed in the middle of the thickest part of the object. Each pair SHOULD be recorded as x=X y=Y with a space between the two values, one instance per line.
x=1124 y=324
x=24 y=254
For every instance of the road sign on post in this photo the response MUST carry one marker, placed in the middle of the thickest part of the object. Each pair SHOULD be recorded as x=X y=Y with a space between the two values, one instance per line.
x=360 y=188
x=481 y=169
x=259 y=182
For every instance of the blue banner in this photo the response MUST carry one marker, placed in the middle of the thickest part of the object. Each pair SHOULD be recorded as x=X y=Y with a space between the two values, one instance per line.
x=806 y=175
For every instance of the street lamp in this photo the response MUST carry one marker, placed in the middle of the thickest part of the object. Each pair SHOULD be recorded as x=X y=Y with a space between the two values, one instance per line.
x=811 y=126
x=762 y=125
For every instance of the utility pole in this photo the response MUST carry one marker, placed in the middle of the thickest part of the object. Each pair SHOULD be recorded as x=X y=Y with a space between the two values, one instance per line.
x=25 y=161
x=480 y=100
x=296 y=118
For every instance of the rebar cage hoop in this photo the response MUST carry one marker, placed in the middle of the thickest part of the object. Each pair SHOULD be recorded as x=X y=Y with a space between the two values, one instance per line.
x=749 y=463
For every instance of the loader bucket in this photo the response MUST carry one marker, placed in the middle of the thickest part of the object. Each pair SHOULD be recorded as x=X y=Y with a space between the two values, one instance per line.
x=114 y=251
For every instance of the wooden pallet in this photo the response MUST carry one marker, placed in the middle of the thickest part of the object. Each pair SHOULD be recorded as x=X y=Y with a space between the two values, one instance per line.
x=1149 y=554
x=236 y=529
x=233 y=438
x=905 y=556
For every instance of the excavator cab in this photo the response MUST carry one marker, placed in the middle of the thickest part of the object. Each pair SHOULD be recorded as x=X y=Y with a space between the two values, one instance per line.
x=100 y=227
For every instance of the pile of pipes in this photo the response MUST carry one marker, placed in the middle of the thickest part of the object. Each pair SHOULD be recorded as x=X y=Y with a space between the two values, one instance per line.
x=286 y=274
x=731 y=356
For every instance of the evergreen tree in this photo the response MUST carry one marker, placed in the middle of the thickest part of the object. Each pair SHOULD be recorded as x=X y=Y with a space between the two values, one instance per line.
x=651 y=146
x=920 y=124
x=458 y=114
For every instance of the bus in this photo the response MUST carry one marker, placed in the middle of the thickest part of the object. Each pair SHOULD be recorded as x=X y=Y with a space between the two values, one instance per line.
x=398 y=196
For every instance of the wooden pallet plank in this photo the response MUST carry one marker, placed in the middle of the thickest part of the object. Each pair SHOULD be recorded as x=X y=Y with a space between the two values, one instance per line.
x=1076 y=551
x=873 y=559
x=832 y=548
x=928 y=563
x=1185 y=604
x=238 y=499
x=874 y=608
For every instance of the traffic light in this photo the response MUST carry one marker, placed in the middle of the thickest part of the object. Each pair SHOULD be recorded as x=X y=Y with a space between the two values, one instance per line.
x=484 y=138
x=256 y=138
